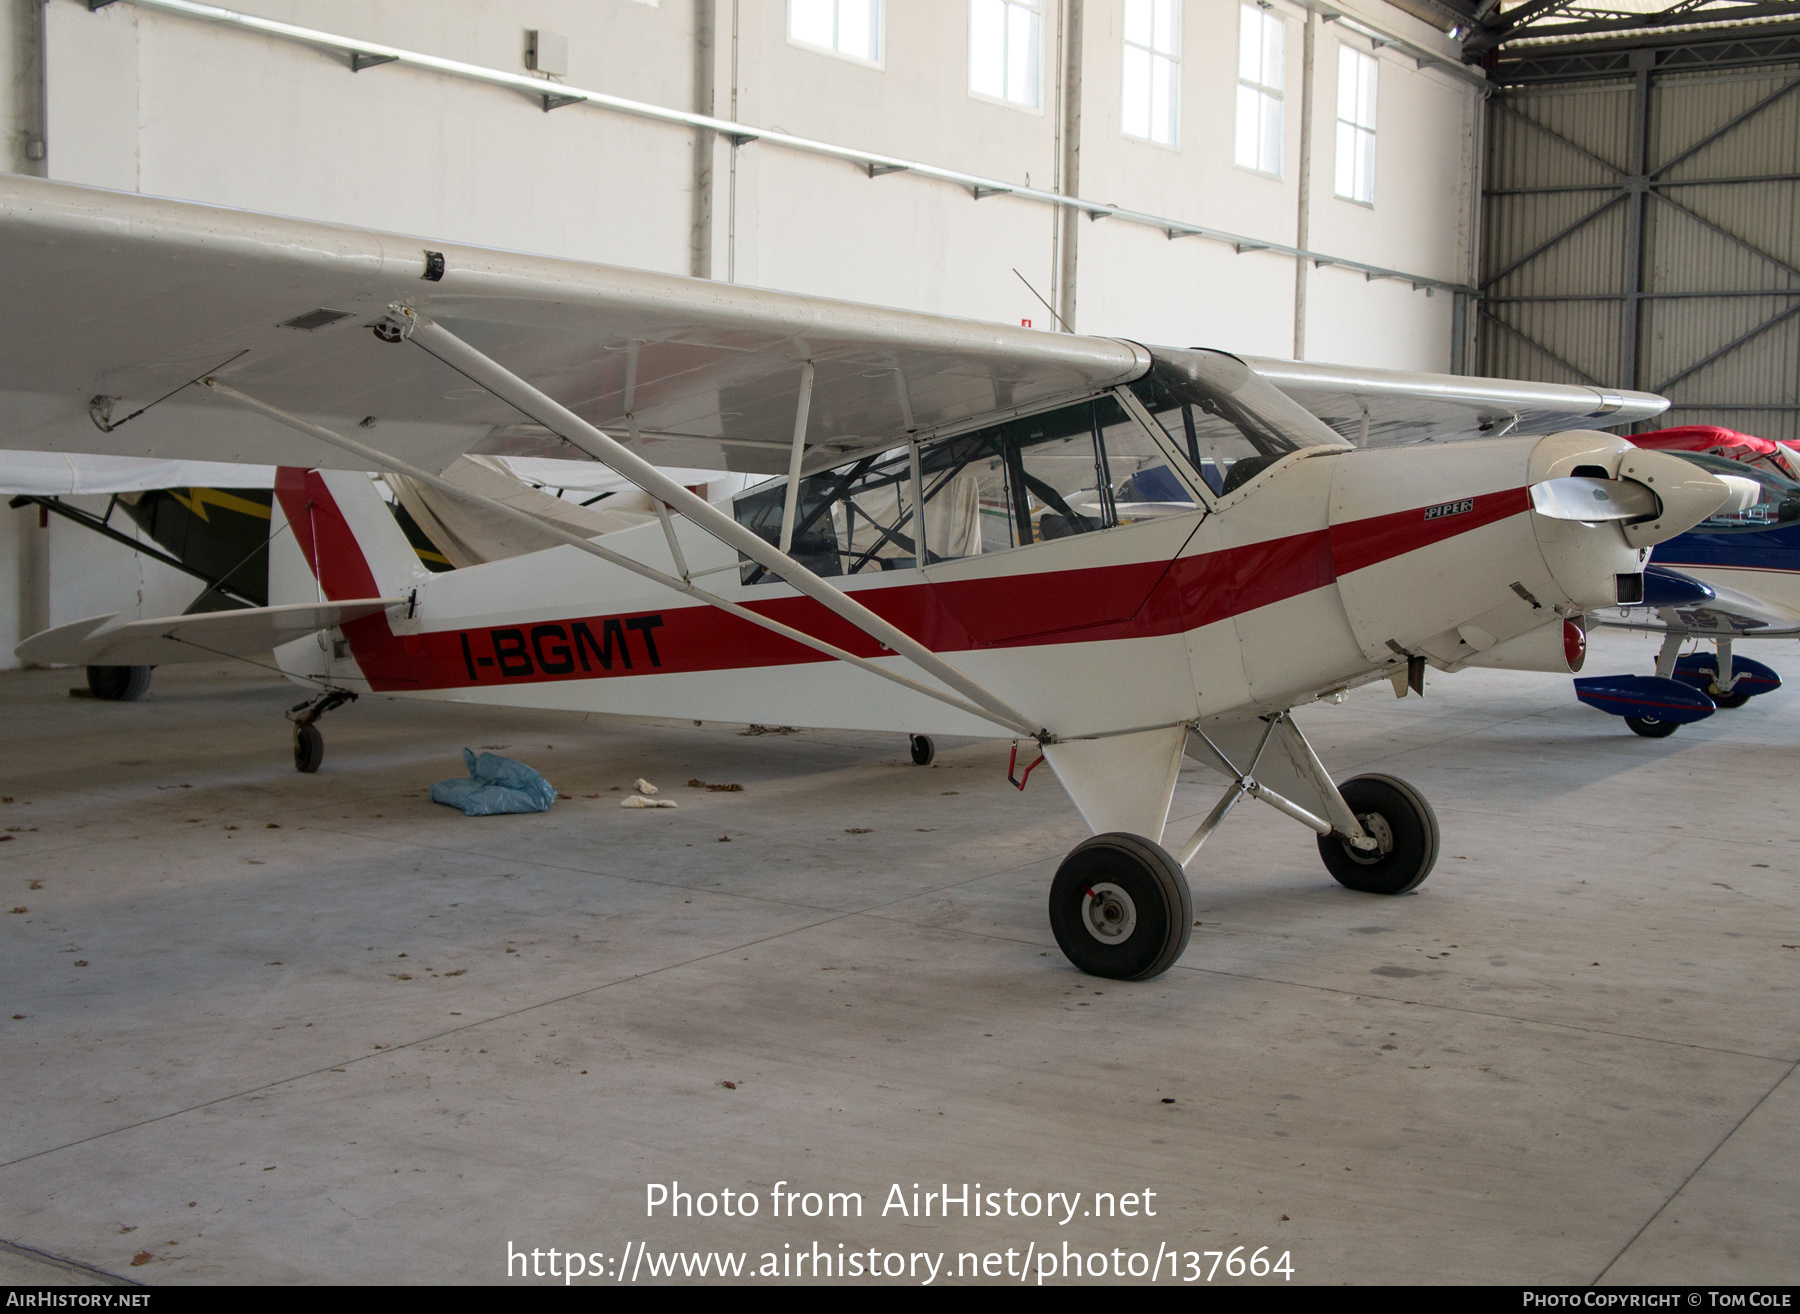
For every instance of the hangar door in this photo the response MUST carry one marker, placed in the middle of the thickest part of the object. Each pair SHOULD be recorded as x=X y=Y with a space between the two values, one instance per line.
x=1641 y=228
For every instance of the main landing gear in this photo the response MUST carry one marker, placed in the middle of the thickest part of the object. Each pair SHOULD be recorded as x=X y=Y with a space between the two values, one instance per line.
x=119 y=684
x=1120 y=906
x=309 y=744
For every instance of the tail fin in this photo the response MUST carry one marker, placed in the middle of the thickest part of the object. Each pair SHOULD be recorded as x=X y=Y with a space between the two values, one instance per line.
x=333 y=537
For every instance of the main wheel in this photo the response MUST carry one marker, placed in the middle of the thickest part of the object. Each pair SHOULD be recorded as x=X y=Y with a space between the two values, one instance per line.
x=118 y=684
x=923 y=750
x=1120 y=907
x=1650 y=728
x=1405 y=830
x=309 y=748
x=1736 y=698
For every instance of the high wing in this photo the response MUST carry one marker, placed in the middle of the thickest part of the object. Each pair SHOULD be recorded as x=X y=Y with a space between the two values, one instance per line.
x=106 y=641
x=116 y=301
x=1391 y=408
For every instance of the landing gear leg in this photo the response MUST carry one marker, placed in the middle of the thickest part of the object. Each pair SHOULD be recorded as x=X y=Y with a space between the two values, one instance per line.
x=309 y=744
x=923 y=750
x=1724 y=690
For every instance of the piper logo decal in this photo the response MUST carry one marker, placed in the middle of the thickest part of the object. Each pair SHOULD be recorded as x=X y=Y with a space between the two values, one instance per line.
x=1449 y=508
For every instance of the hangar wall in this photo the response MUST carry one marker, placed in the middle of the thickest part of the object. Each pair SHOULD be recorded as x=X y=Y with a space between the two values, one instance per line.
x=132 y=97
x=1641 y=226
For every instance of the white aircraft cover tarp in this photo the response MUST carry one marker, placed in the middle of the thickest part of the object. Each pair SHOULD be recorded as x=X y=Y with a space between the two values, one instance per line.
x=64 y=474
x=468 y=534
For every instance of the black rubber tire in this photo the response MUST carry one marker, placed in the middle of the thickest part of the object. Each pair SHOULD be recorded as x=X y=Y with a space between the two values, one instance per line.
x=923 y=750
x=119 y=684
x=1736 y=698
x=1412 y=828
x=1162 y=907
x=309 y=749
x=1649 y=729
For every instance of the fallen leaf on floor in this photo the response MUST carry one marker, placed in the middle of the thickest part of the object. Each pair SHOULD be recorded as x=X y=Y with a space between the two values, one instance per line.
x=141 y=1258
x=724 y=839
x=21 y=908
x=859 y=830
x=81 y=962
x=123 y=1229
x=458 y=972
x=770 y=730
x=949 y=792
x=697 y=783
x=400 y=976
x=729 y=1085
x=20 y=1017
x=272 y=826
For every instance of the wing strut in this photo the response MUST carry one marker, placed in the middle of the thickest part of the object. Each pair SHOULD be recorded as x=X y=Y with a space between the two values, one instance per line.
x=384 y=461
x=563 y=422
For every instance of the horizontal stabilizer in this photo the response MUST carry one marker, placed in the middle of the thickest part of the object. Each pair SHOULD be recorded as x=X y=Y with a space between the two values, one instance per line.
x=1649 y=697
x=108 y=641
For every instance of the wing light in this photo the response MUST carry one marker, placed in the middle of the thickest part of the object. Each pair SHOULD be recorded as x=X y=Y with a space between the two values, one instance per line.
x=1578 y=497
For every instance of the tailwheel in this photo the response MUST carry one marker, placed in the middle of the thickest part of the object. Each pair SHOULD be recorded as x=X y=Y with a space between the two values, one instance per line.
x=118 y=684
x=1405 y=830
x=1120 y=907
x=309 y=748
x=923 y=750
x=1651 y=728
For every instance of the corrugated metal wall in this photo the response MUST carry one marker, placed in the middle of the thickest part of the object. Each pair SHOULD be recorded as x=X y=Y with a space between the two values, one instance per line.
x=1644 y=232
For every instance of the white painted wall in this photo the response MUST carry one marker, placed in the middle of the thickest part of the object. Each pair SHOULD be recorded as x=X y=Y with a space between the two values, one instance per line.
x=143 y=100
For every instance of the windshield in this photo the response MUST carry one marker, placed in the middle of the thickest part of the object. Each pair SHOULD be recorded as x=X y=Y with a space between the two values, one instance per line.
x=1778 y=505
x=1229 y=421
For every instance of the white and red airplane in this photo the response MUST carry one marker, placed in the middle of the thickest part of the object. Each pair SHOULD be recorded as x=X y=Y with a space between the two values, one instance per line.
x=1116 y=553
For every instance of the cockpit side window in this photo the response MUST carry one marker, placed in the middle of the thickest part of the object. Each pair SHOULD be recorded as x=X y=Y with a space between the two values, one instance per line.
x=1228 y=421
x=1074 y=470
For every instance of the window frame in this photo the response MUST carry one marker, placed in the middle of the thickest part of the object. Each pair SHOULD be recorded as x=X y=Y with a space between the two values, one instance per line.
x=1277 y=94
x=1373 y=63
x=880 y=29
x=1205 y=503
x=1172 y=58
x=1030 y=107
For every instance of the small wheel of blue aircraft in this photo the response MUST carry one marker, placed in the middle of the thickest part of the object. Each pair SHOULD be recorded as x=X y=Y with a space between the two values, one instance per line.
x=1651 y=728
x=1406 y=833
x=1120 y=907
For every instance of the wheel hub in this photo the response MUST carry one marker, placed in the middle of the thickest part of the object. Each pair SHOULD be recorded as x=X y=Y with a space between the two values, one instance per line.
x=1378 y=829
x=1108 y=913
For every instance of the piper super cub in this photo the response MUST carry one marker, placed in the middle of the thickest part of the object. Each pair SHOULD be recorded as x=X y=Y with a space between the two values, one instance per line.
x=1115 y=554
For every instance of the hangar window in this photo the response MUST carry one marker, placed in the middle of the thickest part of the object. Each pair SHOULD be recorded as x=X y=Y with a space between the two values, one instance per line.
x=1006 y=39
x=1777 y=505
x=1356 y=126
x=1152 y=81
x=1230 y=422
x=844 y=27
x=1260 y=51
x=1074 y=470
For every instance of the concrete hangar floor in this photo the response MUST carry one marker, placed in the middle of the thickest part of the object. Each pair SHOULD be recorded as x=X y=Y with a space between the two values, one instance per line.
x=260 y=1027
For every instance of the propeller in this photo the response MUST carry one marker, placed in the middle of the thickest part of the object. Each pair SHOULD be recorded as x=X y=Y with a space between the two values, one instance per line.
x=1579 y=497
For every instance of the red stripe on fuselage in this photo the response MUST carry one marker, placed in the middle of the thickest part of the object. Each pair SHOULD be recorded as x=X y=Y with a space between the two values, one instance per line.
x=1008 y=611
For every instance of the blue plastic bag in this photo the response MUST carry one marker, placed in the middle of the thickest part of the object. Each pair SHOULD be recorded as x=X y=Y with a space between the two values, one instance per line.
x=495 y=785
